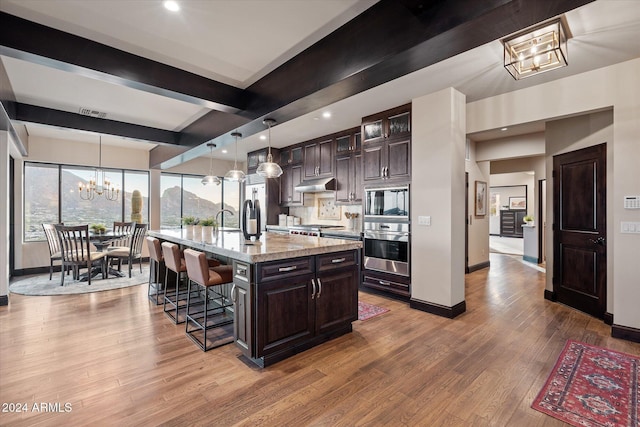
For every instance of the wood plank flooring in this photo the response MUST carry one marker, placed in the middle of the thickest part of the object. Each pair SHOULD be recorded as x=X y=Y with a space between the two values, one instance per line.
x=117 y=360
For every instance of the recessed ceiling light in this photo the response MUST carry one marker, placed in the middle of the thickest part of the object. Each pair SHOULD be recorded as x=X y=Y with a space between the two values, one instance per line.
x=263 y=137
x=326 y=114
x=503 y=129
x=171 y=5
x=224 y=151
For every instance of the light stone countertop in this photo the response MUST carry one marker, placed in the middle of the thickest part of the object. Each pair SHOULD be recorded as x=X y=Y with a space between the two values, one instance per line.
x=271 y=246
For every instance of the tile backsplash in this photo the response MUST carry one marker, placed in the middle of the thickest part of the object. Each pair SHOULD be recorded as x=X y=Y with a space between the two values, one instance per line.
x=319 y=209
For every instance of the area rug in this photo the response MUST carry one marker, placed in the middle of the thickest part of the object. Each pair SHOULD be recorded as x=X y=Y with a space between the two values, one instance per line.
x=41 y=285
x=367 y=311
x=592 y=386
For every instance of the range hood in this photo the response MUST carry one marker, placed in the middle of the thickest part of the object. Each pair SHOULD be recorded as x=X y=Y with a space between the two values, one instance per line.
x=317 y=185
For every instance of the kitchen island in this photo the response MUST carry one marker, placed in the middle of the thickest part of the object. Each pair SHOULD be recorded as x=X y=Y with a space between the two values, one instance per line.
x=290 y=292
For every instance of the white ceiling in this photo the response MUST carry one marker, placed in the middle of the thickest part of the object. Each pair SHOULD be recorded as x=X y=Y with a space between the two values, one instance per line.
x=238 y=42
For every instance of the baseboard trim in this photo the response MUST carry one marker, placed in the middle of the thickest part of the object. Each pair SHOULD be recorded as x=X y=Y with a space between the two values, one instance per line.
x=479 y=266
x=439 y=310
x=626 y=333
x=4 y=300
x=550 y=295
x=532 y=259
x=608 y=318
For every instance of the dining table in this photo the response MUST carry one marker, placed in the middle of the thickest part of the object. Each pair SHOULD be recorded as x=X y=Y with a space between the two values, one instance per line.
x=101 y=241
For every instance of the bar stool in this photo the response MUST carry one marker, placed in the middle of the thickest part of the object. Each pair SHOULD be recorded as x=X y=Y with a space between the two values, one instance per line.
x=173 y=261
x=156 y=261
x=214 y=315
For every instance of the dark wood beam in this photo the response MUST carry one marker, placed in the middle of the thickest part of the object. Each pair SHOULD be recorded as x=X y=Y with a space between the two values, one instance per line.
x=30 y=41
x=46 y=116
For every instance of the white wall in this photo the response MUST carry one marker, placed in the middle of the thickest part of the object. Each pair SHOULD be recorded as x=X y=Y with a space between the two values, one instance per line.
x=616 y=86
x=478 y=225
x=513 y=147
x=4 y=214
x=438 y=190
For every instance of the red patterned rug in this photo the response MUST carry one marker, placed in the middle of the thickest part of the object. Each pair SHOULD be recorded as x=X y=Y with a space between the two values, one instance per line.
x=367 y=311
x=592 y=386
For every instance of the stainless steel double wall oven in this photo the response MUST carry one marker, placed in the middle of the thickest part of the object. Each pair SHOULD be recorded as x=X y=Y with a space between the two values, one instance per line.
x=387 y=233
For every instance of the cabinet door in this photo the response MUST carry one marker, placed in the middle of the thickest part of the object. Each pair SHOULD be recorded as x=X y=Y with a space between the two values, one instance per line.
x=399 y=125
x=242 y=317
x=325 y=157
x=373 y=131
x=343 y=144
x=296 y=178
x=372 y=161
x=286 y=314
x=310 y=162
x=356 y=187
x=336 y=299
x=344 y=174
x=286 y=188
x=398 y=159
x=285 y=156
x=296 y=155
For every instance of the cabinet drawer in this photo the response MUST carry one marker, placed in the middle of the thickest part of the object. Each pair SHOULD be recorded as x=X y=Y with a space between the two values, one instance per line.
x=283 y=269
x=337 y=260
x=386 y=285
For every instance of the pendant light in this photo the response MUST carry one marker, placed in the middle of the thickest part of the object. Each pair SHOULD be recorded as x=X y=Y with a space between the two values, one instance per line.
x=269 y=169
x=211 y=178
x=99 y=185
x=235 y=174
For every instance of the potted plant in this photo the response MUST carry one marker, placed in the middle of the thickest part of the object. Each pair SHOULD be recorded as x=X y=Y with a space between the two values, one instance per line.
x=528 y=219
x=208 y=225
x=189 y=222
x=98 y=228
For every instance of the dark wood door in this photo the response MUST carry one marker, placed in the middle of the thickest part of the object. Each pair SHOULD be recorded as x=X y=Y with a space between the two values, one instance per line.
x=398 y=159
x=336 y=299
x=287 y=314
x=372 y=161
x=579 y=212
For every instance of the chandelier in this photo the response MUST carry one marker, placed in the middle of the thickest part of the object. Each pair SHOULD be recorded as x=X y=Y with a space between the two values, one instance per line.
x=235 y=174
x=99 y=185
x=269 y=169
x=536 y=50
x=211 y=178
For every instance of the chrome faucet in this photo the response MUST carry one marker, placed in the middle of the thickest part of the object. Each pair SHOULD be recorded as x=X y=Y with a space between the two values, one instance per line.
x=221 y=212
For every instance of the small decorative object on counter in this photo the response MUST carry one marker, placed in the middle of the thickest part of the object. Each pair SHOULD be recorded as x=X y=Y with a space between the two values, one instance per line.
x=189 y=222
x=98 y=228
x=208 y=224
x=353 y=219
x=251 y=221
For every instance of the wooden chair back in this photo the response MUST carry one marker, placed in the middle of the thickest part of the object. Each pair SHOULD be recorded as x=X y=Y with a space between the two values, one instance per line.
x=52 y=239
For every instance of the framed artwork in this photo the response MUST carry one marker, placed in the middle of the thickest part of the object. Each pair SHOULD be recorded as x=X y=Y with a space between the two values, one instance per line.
x=518 y=203
x=481 y=198
x=327 y=209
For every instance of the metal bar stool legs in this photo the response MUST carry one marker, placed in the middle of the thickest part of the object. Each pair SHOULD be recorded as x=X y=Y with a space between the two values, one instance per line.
x=209 y=322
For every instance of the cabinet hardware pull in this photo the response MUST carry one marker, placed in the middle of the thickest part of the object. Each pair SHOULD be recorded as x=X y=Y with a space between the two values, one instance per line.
x=338 y=260
x=313 y=289
x=291 y=268
x=319 y=288
x=233 y=293
x=384 y=282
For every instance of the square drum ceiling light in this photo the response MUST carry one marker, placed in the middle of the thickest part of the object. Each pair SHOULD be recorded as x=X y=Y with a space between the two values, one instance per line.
x=536 y=50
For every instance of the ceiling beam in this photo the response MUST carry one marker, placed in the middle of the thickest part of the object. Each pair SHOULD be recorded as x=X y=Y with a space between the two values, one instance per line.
x=29 y=41
x=33 y=114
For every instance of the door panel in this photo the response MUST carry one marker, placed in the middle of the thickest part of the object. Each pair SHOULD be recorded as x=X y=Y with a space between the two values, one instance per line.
x=580 y=253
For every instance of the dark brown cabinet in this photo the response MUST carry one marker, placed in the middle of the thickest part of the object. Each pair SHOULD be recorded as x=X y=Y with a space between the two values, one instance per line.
x=386 y=148
x=291 y=155
x=318 y=158
x=285 y=306
x=399 y=286
x=511 y=222
x=291 y=176
x=349 y=178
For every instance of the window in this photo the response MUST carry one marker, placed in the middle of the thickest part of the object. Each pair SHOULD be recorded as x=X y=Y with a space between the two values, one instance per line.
x=51 y=196
x=41 y=195
x=184 y=195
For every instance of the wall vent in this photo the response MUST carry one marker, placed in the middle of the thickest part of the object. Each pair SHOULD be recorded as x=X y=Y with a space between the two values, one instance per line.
x=92 y=113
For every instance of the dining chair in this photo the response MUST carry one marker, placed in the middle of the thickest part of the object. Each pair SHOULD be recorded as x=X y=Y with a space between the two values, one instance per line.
x=132 y=252
x=125 y=229
x=76 y=253
x=54 y=246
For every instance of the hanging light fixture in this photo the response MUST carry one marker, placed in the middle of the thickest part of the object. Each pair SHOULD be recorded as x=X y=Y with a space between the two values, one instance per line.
x=536 y=50
x=235 y=174
x=269 y=169
x=211 y=178
x=99 y=185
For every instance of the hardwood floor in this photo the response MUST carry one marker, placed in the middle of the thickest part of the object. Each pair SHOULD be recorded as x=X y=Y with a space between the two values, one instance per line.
x=117 y=360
